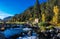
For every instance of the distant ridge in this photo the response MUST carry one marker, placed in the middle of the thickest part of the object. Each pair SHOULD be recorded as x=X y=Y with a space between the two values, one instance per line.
x=7 y=18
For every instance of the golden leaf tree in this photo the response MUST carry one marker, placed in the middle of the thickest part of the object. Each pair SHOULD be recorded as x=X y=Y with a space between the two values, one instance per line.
x=43 y=17
x=55 y=17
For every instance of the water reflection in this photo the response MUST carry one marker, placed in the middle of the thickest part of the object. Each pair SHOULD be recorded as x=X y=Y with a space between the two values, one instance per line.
x=18 y=32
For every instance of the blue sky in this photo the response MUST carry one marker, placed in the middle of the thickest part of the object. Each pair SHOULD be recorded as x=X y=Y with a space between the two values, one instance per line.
x=12 y=7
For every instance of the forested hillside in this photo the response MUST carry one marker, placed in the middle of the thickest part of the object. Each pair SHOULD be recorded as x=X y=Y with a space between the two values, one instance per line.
x=44 y=12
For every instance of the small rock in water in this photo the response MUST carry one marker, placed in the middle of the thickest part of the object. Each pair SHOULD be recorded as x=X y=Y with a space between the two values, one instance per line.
x=33 y=37
x=20 y=38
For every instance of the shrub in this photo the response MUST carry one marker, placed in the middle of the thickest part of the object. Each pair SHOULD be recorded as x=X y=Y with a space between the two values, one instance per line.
x=43 y=24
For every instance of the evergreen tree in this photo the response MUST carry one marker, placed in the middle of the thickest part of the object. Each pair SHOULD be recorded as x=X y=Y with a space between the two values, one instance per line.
x=37 y=11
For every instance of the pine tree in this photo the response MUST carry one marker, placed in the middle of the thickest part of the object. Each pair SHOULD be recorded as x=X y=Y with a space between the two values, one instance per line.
x=37 y=11
x=43 y=7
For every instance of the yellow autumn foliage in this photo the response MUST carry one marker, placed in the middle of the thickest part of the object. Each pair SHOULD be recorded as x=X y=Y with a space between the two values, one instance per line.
x=58 y=24
x=56 y=9
x=30 y=18
x=43 y=17
x=55 y=17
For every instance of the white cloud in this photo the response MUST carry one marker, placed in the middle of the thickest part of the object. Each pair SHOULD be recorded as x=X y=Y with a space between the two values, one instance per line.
x=4 y=14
